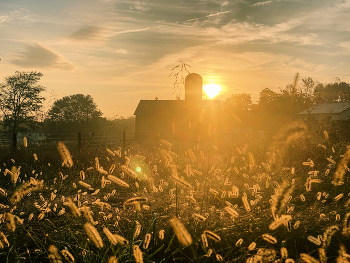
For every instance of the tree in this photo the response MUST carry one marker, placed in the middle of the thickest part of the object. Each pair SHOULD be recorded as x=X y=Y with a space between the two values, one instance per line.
x=20 y=98
x=240 y=102
x=179 y=72
x=73 y=113
x=333 y=92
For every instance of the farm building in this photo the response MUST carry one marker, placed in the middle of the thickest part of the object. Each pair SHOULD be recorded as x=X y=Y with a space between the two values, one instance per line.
x=328 y=112
x=192 y=118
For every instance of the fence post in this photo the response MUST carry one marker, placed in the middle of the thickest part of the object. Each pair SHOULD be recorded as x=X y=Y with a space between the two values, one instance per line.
x=123 y=153
x=14 y=141
x=79 y=140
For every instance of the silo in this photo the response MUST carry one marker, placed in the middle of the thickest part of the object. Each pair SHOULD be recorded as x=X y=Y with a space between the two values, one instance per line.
x=193 y=87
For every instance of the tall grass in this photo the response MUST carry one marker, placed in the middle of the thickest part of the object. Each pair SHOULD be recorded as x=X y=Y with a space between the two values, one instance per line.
x=198 y=204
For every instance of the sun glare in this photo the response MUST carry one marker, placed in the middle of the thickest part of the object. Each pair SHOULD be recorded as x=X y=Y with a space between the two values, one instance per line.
x=212 y=90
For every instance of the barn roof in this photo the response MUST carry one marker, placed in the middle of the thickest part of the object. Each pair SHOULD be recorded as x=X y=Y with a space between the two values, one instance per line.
x=329 y=108
x=170 y=107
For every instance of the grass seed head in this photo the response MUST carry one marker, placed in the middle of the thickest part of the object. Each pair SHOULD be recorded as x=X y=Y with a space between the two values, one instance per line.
x=181 y=232
x=65 y=154
x=93 y=234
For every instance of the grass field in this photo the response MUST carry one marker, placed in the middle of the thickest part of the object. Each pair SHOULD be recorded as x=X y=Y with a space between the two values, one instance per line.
x=283 y=200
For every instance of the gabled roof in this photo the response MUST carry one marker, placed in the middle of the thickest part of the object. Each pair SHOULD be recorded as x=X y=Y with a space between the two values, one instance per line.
x=329 y=108
x=171 y=107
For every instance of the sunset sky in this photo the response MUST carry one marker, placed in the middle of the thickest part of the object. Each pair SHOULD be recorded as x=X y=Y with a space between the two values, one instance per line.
x=121 y=52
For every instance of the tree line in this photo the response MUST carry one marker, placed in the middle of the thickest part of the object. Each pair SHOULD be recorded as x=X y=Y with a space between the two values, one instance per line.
x=21 y=101
x=274 y=108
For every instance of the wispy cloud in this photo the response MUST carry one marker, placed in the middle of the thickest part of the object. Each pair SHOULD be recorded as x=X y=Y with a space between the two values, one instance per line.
x=218 y=13
x=345 y=45
x=261 y=3
x=210 y=15
x=110 y=34
x=86 y=33
x=38 y=56
x=19 y=16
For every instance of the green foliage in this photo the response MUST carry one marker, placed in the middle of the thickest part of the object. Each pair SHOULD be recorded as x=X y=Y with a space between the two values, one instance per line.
x=20 y=98
x=333 y=92
x=74 y=113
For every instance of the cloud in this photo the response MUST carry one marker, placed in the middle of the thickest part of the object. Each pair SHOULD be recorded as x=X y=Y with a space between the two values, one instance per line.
x=87 y=33
x=261 y=3
x=19 y=16
x=140 y=7
x=37 y=56
x=345 y=45
x=210 y=15
x=127 y=31
x=218 y=13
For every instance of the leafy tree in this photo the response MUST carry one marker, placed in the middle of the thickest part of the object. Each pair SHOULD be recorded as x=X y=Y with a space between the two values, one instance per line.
x=73 y=113
x=20 y=98
x=240 y=102
x=333 y=92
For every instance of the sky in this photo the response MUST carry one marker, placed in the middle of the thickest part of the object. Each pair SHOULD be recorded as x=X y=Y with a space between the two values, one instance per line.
x=123 y=51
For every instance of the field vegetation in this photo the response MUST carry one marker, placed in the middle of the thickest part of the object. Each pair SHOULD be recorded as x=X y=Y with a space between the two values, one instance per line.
x=280 y=200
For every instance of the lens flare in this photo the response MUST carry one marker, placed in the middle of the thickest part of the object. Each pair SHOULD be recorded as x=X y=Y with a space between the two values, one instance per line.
x=138 y=169
x=212 y=90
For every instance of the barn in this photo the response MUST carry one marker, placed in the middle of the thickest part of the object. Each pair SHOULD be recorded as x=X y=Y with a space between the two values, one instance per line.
x=189 y=119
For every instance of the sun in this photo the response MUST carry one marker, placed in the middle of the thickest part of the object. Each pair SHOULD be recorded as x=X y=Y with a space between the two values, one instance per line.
x=212 y=90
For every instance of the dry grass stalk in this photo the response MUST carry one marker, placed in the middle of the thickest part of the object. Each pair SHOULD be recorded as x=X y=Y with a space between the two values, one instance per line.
x=281 y=198
x=245 y=202
x=87 y=214
x=280 y=221
x=161 y=234
x=252 y=246
x=212 y=235
x=147 y=240
x=342 y=168
x=73 y=207
x=65 y=154
x=239 y=242
x=284 y=252
x=117 y=180
x=317 y=241
x=121 y=240
x=204 y=240
x=182 y=182
x=3 y=192
x=231 y=211
x=93 y=234
x=113 y=259
x=128 y=171
x=327 y=235
x=4 y=240
x=198 y=217
x=269 y=238
x=10 y=222
x=137 y=254
x=132 y=201
x=283 y=139
x=67 y=255
x=181 y=232
x=346 y=225
x=308 y=259
x=322 y=255
x=14 y=174
x=110 y=236
x=54 y=256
